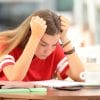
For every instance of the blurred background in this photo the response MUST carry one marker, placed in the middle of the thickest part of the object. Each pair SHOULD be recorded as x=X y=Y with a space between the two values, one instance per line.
x=84 y=16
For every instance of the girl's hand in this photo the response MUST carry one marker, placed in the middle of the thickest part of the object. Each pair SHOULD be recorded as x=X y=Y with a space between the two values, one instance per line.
x=38 y=27
x=64 y=26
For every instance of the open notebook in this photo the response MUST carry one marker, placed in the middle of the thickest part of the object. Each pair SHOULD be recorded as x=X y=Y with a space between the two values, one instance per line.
x=46 y=83
x=64 y=83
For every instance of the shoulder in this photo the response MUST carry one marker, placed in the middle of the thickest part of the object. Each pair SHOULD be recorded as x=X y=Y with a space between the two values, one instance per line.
x=16 y=52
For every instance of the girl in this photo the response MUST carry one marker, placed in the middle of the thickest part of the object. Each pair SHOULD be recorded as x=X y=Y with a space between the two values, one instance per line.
x=33 y=51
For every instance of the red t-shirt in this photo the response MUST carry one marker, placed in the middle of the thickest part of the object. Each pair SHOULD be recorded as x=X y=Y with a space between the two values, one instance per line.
x=39 y=69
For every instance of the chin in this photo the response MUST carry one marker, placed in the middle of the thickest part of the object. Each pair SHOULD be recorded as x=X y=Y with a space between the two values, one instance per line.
x=42 y=57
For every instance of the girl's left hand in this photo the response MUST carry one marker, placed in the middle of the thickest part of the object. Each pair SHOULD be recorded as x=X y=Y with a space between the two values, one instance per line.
x=64 y=26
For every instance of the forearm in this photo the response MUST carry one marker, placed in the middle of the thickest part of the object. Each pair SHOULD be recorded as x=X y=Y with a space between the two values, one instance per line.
x=21 y=66
x=76 y=65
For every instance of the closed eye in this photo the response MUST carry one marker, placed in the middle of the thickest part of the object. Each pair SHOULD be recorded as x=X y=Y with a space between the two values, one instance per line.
x=54 y=45
x=44 y=45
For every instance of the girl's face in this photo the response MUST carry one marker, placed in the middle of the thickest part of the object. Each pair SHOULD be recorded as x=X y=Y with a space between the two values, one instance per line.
x=47 y=45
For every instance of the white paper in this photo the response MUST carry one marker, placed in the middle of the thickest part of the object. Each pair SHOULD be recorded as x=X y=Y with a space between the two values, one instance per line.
x=56 y=83
x=90 y=84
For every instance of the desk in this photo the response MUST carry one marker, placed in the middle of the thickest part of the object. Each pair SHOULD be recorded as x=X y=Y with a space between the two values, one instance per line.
x=53 y=94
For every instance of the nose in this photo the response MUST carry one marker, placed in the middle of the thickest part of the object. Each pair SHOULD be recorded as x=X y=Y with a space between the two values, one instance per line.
x=48 y=50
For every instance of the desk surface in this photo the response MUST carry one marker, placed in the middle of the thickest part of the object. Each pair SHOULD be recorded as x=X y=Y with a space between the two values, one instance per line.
x=53 y=94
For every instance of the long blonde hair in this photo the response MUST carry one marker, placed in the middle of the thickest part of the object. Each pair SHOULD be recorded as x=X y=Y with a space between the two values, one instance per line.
x=21 y=34
x=15 y=36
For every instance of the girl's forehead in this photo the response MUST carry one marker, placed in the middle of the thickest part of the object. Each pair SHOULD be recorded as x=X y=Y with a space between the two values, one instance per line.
x=50 y=37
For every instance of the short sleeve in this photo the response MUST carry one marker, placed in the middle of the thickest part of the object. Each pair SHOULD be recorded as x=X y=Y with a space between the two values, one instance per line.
x=60 y=58
x=62 y=67
x=6 y=60
x=16 y=53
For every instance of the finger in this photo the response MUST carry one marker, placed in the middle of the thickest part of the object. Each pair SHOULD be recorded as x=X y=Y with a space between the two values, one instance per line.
x=64 y=18
x=65 y=21
x=45 y=26
x=40 y=20
x=65 y=25
x=33 y=18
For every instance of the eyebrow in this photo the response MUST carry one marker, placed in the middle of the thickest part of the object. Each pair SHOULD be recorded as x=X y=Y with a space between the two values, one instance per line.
x=47 y=43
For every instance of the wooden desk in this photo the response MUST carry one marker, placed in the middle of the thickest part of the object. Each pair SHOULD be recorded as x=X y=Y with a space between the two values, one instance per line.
x=53 y=94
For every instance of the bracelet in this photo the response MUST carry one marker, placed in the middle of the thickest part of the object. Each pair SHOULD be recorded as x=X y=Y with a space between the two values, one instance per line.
x=66 y=43
x=70 y=51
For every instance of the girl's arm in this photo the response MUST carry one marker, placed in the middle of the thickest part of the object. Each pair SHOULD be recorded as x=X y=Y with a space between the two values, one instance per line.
x=18 y=71
x=75 y=64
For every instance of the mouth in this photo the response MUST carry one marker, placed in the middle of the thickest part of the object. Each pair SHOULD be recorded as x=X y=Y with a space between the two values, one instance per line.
x=43 y=56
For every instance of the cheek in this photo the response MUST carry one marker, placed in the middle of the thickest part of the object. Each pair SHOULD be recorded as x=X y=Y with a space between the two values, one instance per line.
x=39 y=50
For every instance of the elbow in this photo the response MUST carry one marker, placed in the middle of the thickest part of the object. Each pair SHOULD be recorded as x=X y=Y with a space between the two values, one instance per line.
x=15 y=78
x=12 y=74
x=76 y=77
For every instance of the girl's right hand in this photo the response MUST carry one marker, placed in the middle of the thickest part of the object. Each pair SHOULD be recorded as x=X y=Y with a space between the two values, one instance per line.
x=38 y=27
